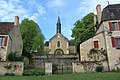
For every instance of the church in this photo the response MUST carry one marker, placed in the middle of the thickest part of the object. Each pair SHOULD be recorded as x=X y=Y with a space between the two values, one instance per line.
x=59 y=44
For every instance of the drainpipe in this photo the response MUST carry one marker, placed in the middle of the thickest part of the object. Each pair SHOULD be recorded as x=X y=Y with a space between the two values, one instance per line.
x=106 y=48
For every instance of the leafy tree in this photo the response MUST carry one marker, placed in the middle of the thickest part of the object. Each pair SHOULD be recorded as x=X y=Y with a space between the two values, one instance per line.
x=83 y=29
x=32 y=37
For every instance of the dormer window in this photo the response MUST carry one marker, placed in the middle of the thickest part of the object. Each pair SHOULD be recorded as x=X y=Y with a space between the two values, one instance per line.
x=112 y=15
x=114 y=26
x=58 y=44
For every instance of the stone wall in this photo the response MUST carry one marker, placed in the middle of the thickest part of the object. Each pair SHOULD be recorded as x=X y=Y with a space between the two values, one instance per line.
x=39 y=61
x=11 y=67
x=80 y=67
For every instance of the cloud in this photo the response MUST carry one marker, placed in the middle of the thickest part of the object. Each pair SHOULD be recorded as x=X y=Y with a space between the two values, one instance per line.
x=41 y=10
x=11 y=8
x=90 y=6
x=55 y=3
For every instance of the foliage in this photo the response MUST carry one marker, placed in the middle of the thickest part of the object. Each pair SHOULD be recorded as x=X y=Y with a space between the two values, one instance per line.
x=30 y=71
x=88 y=66
x=83 y=29
x=13 y=56
x=54 y=69
x=9 y=74
x=97 y=54
x=25 y=60
x=99 y=69
x=32 y=37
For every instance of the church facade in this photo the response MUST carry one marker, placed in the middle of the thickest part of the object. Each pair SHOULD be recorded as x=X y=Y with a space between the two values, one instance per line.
x=59 y=44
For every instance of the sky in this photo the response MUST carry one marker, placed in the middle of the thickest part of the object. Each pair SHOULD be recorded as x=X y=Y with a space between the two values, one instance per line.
x=46 y=12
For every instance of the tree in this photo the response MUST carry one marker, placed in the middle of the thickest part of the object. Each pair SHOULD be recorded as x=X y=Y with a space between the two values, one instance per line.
x=33 y=39
x=83 y=29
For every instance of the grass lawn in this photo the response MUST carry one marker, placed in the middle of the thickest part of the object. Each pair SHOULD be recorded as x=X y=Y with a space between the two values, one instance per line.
x=81 y=76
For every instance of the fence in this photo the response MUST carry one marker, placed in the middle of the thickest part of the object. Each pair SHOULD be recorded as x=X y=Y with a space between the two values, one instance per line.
x=61 y=69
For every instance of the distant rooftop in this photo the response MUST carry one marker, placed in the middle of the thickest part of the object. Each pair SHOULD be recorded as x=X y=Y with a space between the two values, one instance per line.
x=6 y=27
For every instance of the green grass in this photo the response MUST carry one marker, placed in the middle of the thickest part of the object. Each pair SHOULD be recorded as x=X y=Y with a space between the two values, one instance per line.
x=81 y=76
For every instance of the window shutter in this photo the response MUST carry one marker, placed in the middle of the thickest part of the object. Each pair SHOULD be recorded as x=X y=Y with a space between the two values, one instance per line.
x=119 y=25
x=5 y=41
x=96 y=44
x=110 y=26
x=113 y=41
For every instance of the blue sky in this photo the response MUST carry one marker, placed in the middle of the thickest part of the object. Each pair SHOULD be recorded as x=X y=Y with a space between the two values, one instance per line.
x=45 y=12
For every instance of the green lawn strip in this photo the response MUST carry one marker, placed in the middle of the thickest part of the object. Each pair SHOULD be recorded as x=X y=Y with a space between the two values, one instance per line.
x=80 y=76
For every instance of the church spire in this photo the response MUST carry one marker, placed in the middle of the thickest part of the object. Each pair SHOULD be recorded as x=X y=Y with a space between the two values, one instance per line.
x=58 y=25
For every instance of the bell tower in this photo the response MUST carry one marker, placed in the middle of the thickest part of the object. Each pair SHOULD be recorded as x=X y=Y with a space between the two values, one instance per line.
x=58 y=25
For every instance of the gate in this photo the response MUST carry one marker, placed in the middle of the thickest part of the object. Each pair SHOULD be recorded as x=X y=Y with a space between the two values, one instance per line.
x=61 y=69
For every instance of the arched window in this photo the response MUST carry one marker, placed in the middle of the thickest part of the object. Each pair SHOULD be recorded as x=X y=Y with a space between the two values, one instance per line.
x=58 y=44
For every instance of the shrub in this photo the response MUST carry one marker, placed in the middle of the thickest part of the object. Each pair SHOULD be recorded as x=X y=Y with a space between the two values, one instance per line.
x=54 y=68
x=13 y=56
x=32 y=73
x=9 y=74
x=99 y=69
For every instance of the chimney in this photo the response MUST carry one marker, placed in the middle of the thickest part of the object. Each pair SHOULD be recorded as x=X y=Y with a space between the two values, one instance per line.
x=98 y=9
x=16 y=23
x=95 y=22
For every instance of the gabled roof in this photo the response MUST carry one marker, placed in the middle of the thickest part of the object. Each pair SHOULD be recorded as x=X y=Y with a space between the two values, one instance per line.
x=111 y=12
x=56 y=36
x=6 y=27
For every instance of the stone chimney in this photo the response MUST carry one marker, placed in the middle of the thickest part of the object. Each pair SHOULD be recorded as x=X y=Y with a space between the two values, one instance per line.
x=98 y=9
x=95 y=22
x=16 y=23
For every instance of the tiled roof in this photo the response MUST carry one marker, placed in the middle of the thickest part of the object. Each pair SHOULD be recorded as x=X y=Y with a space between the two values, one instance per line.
x=6 y=27
x=111 y=12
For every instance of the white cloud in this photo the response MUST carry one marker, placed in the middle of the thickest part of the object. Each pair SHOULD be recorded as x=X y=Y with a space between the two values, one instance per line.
x=11 y=8
x=41 y=10
x=55 y=3
x=90 y=6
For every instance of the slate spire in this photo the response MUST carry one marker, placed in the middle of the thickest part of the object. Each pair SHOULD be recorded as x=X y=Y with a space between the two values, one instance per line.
x=58 y=25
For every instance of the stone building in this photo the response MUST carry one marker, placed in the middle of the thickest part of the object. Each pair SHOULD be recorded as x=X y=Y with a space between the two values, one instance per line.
x=107 y=35
x=60 y=51
x=10 y=38
x=59 y=44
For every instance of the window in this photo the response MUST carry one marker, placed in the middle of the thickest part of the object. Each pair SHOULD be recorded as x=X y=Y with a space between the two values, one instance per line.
x=58 y=44
x=3 y=40
x=96 y=44
x=114 y=26
x=115 y=42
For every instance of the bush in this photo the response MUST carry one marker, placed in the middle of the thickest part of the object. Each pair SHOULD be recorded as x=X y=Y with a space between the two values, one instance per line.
x=13 y=56
x=32 y=73
x=28 y=67
x=99 y=69
x=9 y=74
x=54 y=68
